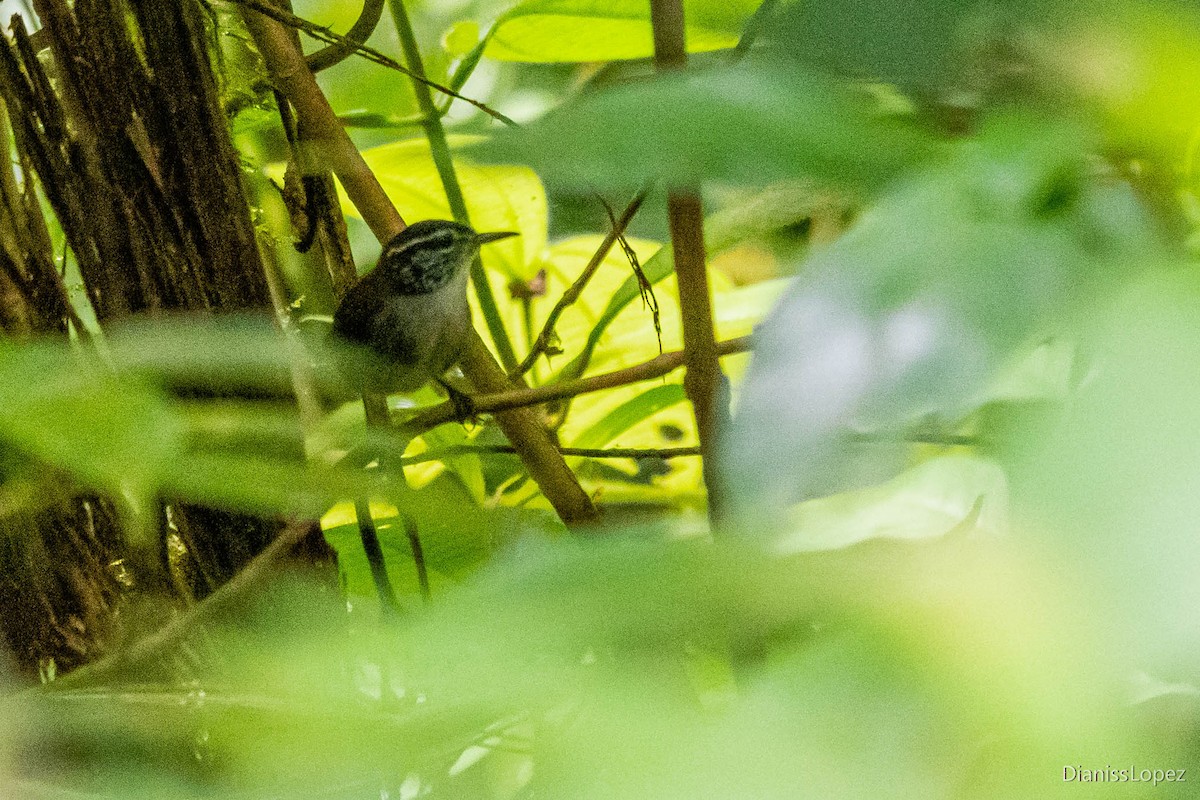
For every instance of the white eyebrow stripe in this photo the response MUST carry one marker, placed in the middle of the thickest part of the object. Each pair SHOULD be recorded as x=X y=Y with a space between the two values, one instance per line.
x=448 y=236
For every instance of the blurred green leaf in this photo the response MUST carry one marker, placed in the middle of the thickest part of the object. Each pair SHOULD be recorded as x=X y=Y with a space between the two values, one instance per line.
x=214 y=353
x=587 y=30
x=257 y=484
x=1114 y=481
x=69 y=411
x=116 y=428
x=746 y=124
x=889 y=667
x=919 y=43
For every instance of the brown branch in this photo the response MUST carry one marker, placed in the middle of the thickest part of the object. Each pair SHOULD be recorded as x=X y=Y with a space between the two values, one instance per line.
x=571 y=295
x=326 y=137
x=670 y=44
x=704 y=382
x=520 y=398
x=545 y=465
x=526 y=432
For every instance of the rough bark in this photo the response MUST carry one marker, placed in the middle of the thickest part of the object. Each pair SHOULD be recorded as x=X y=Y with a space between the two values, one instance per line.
x=122 y=124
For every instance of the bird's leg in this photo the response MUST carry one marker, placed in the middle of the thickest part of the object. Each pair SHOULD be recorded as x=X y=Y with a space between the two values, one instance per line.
x=464 y=406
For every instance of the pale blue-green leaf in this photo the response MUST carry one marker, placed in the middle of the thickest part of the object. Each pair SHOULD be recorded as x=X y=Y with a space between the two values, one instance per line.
x=953 y=494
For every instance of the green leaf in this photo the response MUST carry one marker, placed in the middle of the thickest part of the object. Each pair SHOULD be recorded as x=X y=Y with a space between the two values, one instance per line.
x=461 y=38
x=546 y=31
x=630 y=413
x=747 y=124
x=72 y=413
x=953 y=493
x=466 y=66
x=453 y=544
x=226 y=353
x=262 y=485
x=893 y=41
x=499 y=198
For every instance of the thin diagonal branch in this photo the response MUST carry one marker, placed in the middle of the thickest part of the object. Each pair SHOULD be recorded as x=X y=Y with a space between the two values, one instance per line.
x=636 y=453
x=323 y=132
x=571 y=295
x=233 y=594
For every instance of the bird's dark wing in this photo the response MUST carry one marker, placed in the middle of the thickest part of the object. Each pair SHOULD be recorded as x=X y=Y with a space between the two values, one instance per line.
x=354 y=315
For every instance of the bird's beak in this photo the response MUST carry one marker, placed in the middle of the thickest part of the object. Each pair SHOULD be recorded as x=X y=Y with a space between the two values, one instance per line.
x=485 y=238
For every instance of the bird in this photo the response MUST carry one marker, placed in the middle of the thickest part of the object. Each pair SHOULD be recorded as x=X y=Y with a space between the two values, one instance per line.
x=408 y=318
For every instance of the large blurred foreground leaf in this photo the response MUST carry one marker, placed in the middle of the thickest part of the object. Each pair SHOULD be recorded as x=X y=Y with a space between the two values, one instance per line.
x=165 y=412
x=1117 y=478
x=746 y=124
x=630 y=669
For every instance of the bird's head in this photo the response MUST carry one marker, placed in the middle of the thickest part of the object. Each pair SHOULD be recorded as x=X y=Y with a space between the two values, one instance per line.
x=426 y=255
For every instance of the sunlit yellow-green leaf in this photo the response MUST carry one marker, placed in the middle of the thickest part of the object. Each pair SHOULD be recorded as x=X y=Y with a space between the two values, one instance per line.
x=461 y=38
x=753 y=214
x=589 y=30
x=628 y=414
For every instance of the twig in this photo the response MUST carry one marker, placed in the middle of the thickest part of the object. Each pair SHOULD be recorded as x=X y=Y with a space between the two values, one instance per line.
x=370 y=541
x=321 y=126
x=526 y=432
x=644 y=286
x=520 y=398
x=571 y=295
x=359 y=32
x=324 y=34
x=442 y=453
x=704 y=383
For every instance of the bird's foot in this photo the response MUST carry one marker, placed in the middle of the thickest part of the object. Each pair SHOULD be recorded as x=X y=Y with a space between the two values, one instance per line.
x=464 y=406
